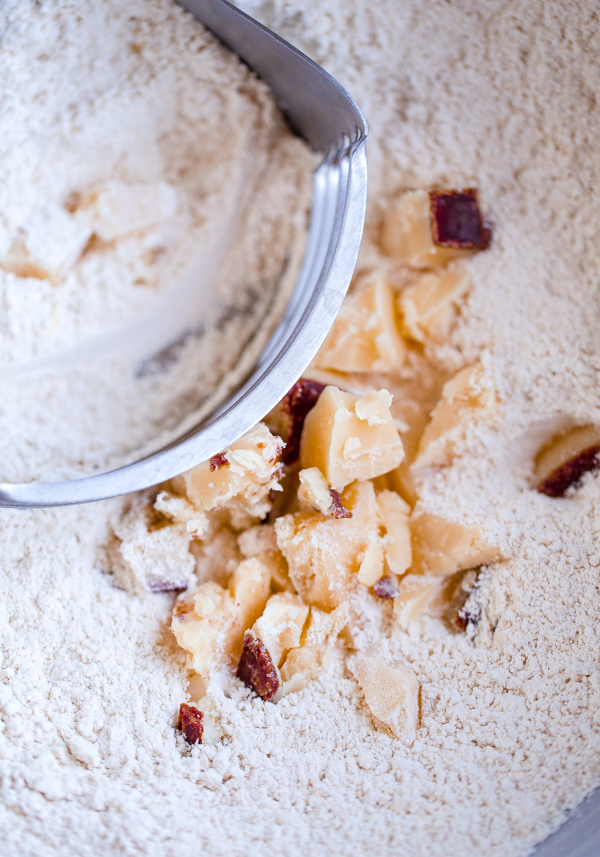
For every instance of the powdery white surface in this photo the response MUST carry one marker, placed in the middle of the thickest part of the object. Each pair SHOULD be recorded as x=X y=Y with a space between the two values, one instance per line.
x=139 y=332
x=501 y=96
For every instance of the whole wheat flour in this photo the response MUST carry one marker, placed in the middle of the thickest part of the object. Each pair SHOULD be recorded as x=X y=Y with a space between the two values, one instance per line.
x=499 y=97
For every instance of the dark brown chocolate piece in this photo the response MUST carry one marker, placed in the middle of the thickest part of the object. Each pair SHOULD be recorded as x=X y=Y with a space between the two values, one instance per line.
x=570 y=473
x=256 y=669
x=191 y=723
x=339 y=510
x=456 y=220
x=297 y=403
x=217 y=461
x=386 y=587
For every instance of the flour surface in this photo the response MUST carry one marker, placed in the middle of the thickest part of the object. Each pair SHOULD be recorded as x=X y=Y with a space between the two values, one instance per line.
x=494 y=95
x=110 y=355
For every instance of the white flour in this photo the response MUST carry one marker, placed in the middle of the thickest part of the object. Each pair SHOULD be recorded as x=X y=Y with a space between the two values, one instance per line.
x=496 y=95
x=132 y=339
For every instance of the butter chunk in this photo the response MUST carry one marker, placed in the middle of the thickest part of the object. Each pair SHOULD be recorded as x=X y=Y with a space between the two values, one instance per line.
x=116 y=209
x=416 y=593
x=407 y=233
x=238 y=481
x=444 y=547
x=394 y=517
x=365 y=337
x=428 y=308
x=372 y=565
x=324 y=554
x=313 y=490
x=149 y=550
x=288 y=646
x=313 y=655
x=260 y=541
x=47 y=245
x=281 y=624
x=209 y=623
x=466 y=398
x=391 y=693
x=346 y=446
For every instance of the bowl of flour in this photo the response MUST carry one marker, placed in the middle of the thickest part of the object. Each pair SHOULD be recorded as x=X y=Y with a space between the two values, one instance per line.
x=497 y=97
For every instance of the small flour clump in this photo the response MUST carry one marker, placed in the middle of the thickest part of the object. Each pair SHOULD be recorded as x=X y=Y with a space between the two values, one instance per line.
x=492 y=96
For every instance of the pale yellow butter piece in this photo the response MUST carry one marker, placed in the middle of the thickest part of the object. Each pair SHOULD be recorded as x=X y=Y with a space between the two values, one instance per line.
x=116 y=209
x=467 y=397
x=240 y=486
x=391 y=693
x=313 y=656
x=324 y=554
x=344 y=446
x=428 y=307
x=372 y=567
x=209 y=623
x=48 y=244
x=281 y=624
x=416 y=593
x=313 y=491
x=406 y=233
x=394 y=515
x=365 y=337
x=442 y=547
x=260 y=541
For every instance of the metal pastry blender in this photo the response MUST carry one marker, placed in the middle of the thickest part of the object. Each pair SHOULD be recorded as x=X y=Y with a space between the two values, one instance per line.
x=325 y=115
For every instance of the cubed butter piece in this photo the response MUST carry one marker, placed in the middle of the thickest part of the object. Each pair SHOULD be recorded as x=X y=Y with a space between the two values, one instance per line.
x=394 y=516
x=372 y=566
x=47 y=245
x=416 y=593
x=443 y=547
x=281 y=624
x=313 y=655
x=324 y=554
x=116 y=209
x=343 y=445
x=391 y=693
x=365 y=337
x=466 y=398
x=428 y=307
x=239 y=480
x=209 y=623
x=314 y=491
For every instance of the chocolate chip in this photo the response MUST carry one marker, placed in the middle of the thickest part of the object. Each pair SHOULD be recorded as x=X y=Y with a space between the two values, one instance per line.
x=191 y=723
x=570 y=473
x=256 y=669
x=217 y=461
x=339 y=510
x=386 y=587
x=456 y=220
x=297 y=403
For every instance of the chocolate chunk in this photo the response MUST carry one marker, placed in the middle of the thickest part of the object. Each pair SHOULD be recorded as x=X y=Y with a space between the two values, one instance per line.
x=217 y=461
x=256 y=669
x=456 y=220
x=339 y=510
x=191 y=723
x=386 y=587
x=570 y=473
x=297 y=403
